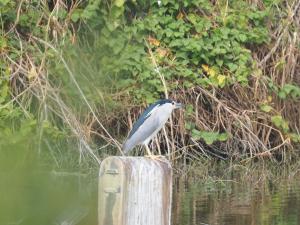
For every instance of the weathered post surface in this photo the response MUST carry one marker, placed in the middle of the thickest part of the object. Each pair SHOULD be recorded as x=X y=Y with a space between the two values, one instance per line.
x=134 y=191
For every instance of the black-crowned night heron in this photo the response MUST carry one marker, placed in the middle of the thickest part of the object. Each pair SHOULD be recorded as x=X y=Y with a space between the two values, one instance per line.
x=149 y=124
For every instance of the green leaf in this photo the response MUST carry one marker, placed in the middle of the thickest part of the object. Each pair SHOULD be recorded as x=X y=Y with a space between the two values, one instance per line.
x=61 y=13
x=189 y=126
x=221 y=80
x=223 y=137
x=3 y=43
x=282 y=94
x=294 y=137
x=287 y=88
x=76 y=15
x=266 y=108
x=219 y=62
x=119 y=3
x=232 y=67
x=209 y=137
x=242 y=37
x=280 y=123
x=189 y=109
x=277 y=120
x=150 y=99
x=192 y=18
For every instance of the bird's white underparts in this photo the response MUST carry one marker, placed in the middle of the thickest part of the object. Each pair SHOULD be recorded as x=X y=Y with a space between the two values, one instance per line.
x=149 y=124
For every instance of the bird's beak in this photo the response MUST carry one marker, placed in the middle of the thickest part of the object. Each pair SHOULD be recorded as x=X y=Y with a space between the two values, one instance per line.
x=179 y=106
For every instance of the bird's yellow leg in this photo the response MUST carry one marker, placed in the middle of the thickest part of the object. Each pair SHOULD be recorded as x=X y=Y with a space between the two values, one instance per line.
x=151 y=156
x=149 y=153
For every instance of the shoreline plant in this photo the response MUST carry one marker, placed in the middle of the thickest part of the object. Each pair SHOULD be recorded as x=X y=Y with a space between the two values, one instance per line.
x=76 y=75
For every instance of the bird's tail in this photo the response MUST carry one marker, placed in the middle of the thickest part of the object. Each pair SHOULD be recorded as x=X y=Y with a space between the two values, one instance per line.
x=127 y=147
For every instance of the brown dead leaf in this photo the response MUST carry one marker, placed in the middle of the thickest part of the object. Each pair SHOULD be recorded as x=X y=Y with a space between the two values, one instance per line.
x=179 y=16
x=153 y=41
x=162 y=52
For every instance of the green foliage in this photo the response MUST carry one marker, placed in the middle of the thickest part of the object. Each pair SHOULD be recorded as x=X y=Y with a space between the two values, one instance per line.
x=19 y=118
x=283 y=125
x=4 y=85
x=15 y=130
x=280 y=123
x=193 y=42
x=209 y=137
x=286 y=91
x=112 y=49
x=18 y=130
x=266 y=108
x=289 y=90
x=294 y=137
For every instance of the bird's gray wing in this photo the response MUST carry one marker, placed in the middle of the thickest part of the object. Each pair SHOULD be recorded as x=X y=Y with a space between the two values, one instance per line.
x=146 y=114
x=144 y=131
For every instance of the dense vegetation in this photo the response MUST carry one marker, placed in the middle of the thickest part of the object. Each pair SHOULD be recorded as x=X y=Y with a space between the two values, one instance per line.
x=76 y=74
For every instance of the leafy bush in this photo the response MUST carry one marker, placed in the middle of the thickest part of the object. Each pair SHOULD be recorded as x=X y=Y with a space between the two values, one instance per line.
x=64 y=64
x=193 y=42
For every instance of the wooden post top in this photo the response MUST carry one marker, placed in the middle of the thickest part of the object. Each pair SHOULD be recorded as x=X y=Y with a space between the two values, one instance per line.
x=135 y=190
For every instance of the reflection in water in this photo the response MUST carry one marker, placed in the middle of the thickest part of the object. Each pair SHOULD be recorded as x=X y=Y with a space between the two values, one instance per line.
x=35 y=191
x=29 y=196
x=237 y=203
x=35 y=198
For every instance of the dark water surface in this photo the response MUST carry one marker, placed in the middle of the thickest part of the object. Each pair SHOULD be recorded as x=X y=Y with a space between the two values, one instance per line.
x=32 y=197
x=240 y=202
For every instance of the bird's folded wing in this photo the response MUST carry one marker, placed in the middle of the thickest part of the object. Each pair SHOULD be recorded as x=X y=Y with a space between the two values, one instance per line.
x=143 y=132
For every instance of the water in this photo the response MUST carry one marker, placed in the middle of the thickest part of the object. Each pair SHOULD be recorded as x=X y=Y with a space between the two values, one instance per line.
x=33 y=196
x=239 y=202
x=49 y=197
